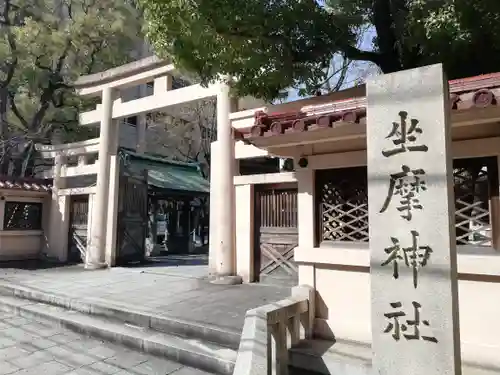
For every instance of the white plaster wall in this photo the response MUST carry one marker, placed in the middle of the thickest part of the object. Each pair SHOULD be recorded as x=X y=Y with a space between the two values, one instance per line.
x=244 y=232
x=18 y=245
x=343 y=312
x=58 y=228
x=343 y=304
x=23 y=244
x=342 y=280
x=479 y=330
x=244 y=151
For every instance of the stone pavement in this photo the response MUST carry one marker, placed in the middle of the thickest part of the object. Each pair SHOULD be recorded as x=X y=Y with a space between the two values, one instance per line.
x=175 y=289
x=29 y=347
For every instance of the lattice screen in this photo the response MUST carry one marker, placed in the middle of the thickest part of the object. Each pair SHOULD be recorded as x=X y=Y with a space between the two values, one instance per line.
x=472 y=210
x=278 y=208
x=343 y=204
x=22 y=216
x=79 y=211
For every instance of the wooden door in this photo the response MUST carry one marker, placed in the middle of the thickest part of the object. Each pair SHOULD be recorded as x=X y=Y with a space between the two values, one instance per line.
x=276 y=235
x=132 y=220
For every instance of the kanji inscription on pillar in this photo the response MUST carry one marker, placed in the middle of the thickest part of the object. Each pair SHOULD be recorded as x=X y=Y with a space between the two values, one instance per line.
x=400 y=326
x=415 y=256
x=408 y=185
x=413 y=265
x=405 y=137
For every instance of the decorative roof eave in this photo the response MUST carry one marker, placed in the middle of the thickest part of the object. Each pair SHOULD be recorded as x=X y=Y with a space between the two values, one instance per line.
x=25 y=184
x=474 y=95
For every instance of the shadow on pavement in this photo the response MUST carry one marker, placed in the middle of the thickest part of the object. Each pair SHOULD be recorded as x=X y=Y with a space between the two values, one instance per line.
x=173 y=261
x=31 y=265
x=157 y=261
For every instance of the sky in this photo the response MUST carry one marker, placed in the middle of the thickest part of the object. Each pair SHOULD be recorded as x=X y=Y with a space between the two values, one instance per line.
x=358 y=68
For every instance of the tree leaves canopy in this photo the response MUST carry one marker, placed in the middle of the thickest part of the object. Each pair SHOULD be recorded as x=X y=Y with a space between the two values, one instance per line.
x=47 y=44
x=272 y=45
x=44 y=46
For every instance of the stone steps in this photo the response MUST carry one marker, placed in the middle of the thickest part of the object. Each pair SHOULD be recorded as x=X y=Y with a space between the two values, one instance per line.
x=125 y=314
x=195 y=345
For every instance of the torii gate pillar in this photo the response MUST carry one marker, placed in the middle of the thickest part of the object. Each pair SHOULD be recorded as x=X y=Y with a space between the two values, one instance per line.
x=225 y=260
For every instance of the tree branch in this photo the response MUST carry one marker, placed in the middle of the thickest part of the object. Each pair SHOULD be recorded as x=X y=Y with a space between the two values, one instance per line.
x=15 y=110
x=5 y=21
x=343 y=74
x=93 y=56
x=24 y=11
x=10 y=67
x=58 y=99
x=354 y=53
x=39 y=65
x=55 y=83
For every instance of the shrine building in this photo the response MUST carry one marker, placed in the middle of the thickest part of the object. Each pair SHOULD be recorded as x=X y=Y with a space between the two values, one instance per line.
x=310 y=226
x=307 y=225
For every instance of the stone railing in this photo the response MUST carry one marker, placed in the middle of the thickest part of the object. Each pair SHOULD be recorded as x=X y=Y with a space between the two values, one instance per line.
x=269 y=331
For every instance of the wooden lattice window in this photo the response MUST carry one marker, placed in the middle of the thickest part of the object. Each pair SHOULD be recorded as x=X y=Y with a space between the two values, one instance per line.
x=22 y=216
x=278 y=208
x=475 y=181
x=80 y=211
x=342 y=204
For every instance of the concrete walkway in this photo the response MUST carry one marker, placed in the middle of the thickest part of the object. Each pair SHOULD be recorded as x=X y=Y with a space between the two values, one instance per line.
x=171 y=287
x=29 y=347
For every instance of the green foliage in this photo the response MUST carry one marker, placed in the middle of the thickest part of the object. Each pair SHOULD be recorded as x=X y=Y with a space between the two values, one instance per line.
x=272 y=45
x=463 y=34
x=268 y=45
x=47 y=44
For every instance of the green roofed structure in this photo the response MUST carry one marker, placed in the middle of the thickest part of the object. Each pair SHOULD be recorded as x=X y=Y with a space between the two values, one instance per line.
x=166 y=176
x=162 y=206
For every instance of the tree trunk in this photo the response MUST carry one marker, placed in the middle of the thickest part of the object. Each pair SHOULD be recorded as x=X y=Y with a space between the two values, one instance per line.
x=24 y=163
x=4 y=127
x=384 y=22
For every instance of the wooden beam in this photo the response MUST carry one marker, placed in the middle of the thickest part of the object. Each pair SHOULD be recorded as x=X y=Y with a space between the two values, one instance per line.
x=125 y=82
x=77 y=191
x=80 y=170
x=153 y=103
x=89 y=146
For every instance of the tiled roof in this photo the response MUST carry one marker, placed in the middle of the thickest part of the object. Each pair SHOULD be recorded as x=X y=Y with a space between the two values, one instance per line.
x=474 y=92
x=27 y=184
x=165 y=174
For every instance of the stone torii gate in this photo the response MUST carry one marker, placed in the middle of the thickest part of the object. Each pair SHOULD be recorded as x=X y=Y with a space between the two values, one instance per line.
x=110 y=86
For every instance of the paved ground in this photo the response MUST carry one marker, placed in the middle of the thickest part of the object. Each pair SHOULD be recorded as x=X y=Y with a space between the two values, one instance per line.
x=176 y=287
x=30 y=347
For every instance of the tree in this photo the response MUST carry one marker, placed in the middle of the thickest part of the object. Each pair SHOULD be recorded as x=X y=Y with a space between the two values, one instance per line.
x=186 y=135
x=270 y=46
x=44 y=46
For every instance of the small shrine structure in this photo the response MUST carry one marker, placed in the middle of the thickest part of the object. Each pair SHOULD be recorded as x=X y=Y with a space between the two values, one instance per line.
x=311 y=226
x=102 y=193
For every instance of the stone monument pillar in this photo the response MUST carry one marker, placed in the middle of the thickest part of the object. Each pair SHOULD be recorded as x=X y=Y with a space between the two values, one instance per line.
x=415 y=324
